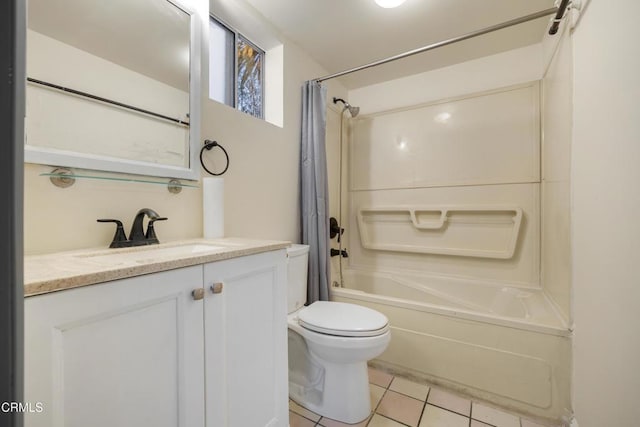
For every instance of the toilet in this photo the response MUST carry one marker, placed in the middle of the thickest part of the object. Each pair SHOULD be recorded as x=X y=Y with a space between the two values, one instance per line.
x=329 y=346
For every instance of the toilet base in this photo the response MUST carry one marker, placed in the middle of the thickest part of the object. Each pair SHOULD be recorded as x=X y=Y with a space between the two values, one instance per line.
x=343 y=396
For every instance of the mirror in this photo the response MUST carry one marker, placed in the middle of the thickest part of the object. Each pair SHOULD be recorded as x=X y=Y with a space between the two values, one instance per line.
x=110 y=87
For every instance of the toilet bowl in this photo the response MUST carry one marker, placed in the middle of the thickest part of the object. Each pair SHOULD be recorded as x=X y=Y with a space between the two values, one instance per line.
x=329 y=346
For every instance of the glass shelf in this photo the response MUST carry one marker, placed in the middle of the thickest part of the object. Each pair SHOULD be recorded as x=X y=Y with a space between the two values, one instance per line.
x=65 y=178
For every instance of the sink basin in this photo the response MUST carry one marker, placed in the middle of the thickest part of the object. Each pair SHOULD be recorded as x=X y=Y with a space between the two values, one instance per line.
x=179 y=251
x=146 y=254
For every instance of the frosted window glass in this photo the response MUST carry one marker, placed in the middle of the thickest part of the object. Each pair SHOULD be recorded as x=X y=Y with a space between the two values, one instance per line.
x=250 y=63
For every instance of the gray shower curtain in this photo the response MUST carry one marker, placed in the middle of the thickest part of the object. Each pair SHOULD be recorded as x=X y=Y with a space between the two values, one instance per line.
x=314 y=193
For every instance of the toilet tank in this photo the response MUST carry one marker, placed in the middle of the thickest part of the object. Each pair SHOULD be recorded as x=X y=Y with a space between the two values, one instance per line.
x=297 y=261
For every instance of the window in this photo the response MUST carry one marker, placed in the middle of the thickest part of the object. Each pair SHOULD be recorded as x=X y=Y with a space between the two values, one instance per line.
x=236 y=70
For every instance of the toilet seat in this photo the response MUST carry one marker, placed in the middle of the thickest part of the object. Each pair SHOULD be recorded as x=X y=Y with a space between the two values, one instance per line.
x=342 y=319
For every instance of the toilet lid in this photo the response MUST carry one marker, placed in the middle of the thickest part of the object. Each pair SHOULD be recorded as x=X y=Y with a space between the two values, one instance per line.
x=342 y=319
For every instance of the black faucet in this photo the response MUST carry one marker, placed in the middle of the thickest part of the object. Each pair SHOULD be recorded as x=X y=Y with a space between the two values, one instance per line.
x=120 y=238
x=336 y=252
x=137 y=236
x=335 y=229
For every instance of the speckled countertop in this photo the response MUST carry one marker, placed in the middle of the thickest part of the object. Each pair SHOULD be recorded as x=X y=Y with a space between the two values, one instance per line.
x=66 y=270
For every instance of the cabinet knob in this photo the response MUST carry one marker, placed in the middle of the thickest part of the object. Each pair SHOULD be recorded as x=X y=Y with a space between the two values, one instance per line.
x=198 y=294
x=216 y=288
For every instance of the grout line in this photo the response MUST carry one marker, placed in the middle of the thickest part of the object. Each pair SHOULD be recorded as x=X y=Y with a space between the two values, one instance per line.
x=374 y=410
x=431 y=387
x=424 y=406
x=309 y=419
x=406 y=395
x=394 y=420
x=414 y=398
x=316 y=422
x=451 y=410
x=471 y=416
x=481 y=421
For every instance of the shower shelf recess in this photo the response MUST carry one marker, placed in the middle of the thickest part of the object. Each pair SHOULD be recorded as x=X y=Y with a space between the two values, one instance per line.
x=482 y=231
x=62 y=177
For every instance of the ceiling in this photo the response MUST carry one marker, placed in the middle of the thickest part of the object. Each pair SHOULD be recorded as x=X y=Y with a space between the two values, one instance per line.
x=341 y=34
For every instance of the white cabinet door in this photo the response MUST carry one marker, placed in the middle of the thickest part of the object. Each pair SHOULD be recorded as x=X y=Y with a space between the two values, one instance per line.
x=128 y=353
x=246 y=342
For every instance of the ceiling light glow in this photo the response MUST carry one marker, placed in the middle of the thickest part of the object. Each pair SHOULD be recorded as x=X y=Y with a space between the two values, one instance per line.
x=388 y=4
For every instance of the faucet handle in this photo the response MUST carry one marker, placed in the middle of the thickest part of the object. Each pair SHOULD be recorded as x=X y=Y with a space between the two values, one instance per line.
x=120 y=238
x=335 y=229
x=150 y=236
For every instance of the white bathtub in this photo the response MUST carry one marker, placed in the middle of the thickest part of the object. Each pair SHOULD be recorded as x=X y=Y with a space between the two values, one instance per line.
x=506 y=345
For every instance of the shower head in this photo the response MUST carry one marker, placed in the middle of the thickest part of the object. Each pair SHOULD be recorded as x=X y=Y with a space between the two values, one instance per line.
x=354 y=111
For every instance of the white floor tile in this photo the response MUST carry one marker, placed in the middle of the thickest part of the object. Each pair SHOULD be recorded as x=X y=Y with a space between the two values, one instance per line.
x=296 y=420
x=401 y=408
x=493 y=416
x=438 y=417
x=410 y=388
x=293 y=406
x=375 y=393
x=380 y=421
x=378 y=377
x=450 y=401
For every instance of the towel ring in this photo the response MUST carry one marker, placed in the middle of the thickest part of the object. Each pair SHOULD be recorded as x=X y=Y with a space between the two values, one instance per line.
x=208 y=145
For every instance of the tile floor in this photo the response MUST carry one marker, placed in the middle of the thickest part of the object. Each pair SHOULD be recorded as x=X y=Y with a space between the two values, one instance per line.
x=398 y=402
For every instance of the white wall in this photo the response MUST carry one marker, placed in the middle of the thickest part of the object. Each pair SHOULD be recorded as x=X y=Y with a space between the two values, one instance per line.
x=261 y=186
x=57 y=219
x=557 y=105
x=605 y=205
x=400 y=118
x=503 y=69
x=478 y=152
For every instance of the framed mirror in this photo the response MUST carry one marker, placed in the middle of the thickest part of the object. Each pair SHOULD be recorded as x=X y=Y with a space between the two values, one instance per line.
x=114 y=86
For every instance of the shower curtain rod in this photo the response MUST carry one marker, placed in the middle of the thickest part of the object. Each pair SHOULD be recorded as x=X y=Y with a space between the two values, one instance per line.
x=559 y=11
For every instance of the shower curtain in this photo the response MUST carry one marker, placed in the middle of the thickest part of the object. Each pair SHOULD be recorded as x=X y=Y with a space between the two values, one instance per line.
x=314 y=193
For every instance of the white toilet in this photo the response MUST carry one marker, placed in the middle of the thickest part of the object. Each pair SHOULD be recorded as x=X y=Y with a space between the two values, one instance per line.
x=329 y=346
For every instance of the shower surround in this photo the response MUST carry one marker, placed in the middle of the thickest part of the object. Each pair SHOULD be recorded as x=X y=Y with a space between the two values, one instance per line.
x=443 y=232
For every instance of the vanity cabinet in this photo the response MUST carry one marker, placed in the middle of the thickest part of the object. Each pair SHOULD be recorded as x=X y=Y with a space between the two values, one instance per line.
x=144 y=351
x=123 y=353
x=245 y=328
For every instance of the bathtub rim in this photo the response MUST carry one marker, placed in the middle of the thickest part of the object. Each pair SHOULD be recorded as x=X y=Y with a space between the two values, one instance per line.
x=353 y=294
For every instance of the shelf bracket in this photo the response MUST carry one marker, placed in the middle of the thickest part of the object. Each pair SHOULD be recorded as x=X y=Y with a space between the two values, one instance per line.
x=60 y=179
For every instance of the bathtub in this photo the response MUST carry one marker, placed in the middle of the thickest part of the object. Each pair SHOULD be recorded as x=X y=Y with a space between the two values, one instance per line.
x=502 y=344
